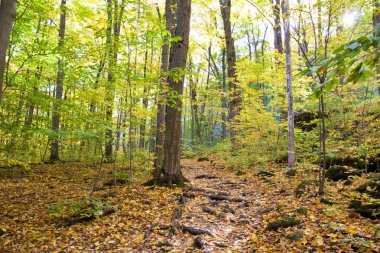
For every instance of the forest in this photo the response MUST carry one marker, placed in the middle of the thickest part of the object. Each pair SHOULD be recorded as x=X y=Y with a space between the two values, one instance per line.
x=189 y=126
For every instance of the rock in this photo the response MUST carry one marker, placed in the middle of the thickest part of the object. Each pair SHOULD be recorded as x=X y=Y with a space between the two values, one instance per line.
x=347 y=182
x=203 y=159
x=284 y=223
x=243 y=216
x=295 y=237
x=366 y=210
x=228 y=209
x=326 y=201
x=265 y=173
x=198 y=243
x=372 y=188
x=356 y=162
x=339 y=172
x=290 y=173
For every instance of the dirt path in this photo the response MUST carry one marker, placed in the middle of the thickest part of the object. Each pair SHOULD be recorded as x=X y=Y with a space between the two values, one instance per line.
x=219 y=211
x=221 y=205
x=224 y=212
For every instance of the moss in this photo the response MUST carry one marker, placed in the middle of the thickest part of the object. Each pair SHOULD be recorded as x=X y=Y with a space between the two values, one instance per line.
x=370 y=211
x=301 y=188
x=301 y=210
x=290 y=173
x=338 y=172
x=326 y=201
x=265 y=173
x=372 y=188
x=283 y=223
x=295 y=237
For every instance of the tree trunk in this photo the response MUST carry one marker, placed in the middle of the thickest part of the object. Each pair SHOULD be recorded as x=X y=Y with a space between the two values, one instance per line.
x=376 y=21
x=7 y=17
x=160 y=127
x=291 y=151
x=54 y=142
x=145 y=105
x=277 y=27
x=235 y=97
x=108 y=87
x=224 y=97
x=177 y=60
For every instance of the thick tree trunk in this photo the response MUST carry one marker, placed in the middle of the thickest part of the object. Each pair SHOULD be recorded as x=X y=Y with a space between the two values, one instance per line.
x=289 y=92
x=7 y=17
x=54 y=141
x=177 y=60
x=160 y=124
x=235 y=96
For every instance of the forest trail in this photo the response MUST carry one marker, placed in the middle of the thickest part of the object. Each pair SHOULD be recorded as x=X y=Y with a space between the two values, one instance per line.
x=222 y=204
x=221 y=210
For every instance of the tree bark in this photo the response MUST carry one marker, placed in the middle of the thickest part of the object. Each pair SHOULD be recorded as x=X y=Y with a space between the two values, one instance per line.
x=7 y=17
x=224 y=97
x=160 y=127
x=277 y=27
x=108 y=87
x=289 y=93
x=376 y=21
x=177 y=61
x=235 y=96
x=54 y=141
x=145 y=105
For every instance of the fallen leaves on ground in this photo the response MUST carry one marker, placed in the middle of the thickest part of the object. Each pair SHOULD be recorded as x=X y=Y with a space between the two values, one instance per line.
x=230 y=212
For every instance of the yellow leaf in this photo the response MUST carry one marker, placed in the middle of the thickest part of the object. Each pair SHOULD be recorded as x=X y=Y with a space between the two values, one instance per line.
x=318 y=241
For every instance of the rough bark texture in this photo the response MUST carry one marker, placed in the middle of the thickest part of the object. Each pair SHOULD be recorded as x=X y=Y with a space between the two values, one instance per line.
x=289 y=93
x=54 y=142
x=277 y=27
x=109 y=95
x=177 y=61
x=235 y=97
x=160 y=134
x=7 y=17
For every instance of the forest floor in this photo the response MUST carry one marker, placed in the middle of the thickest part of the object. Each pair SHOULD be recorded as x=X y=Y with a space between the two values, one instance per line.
x=219 y=211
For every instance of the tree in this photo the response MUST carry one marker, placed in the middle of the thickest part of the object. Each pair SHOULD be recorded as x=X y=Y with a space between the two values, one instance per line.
x=277 y=26
x=160 y=125
x=289 y=88
x=177 y=63
x=235 y=96
x=7 y=17
x=54 y=142
x=376 y=21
